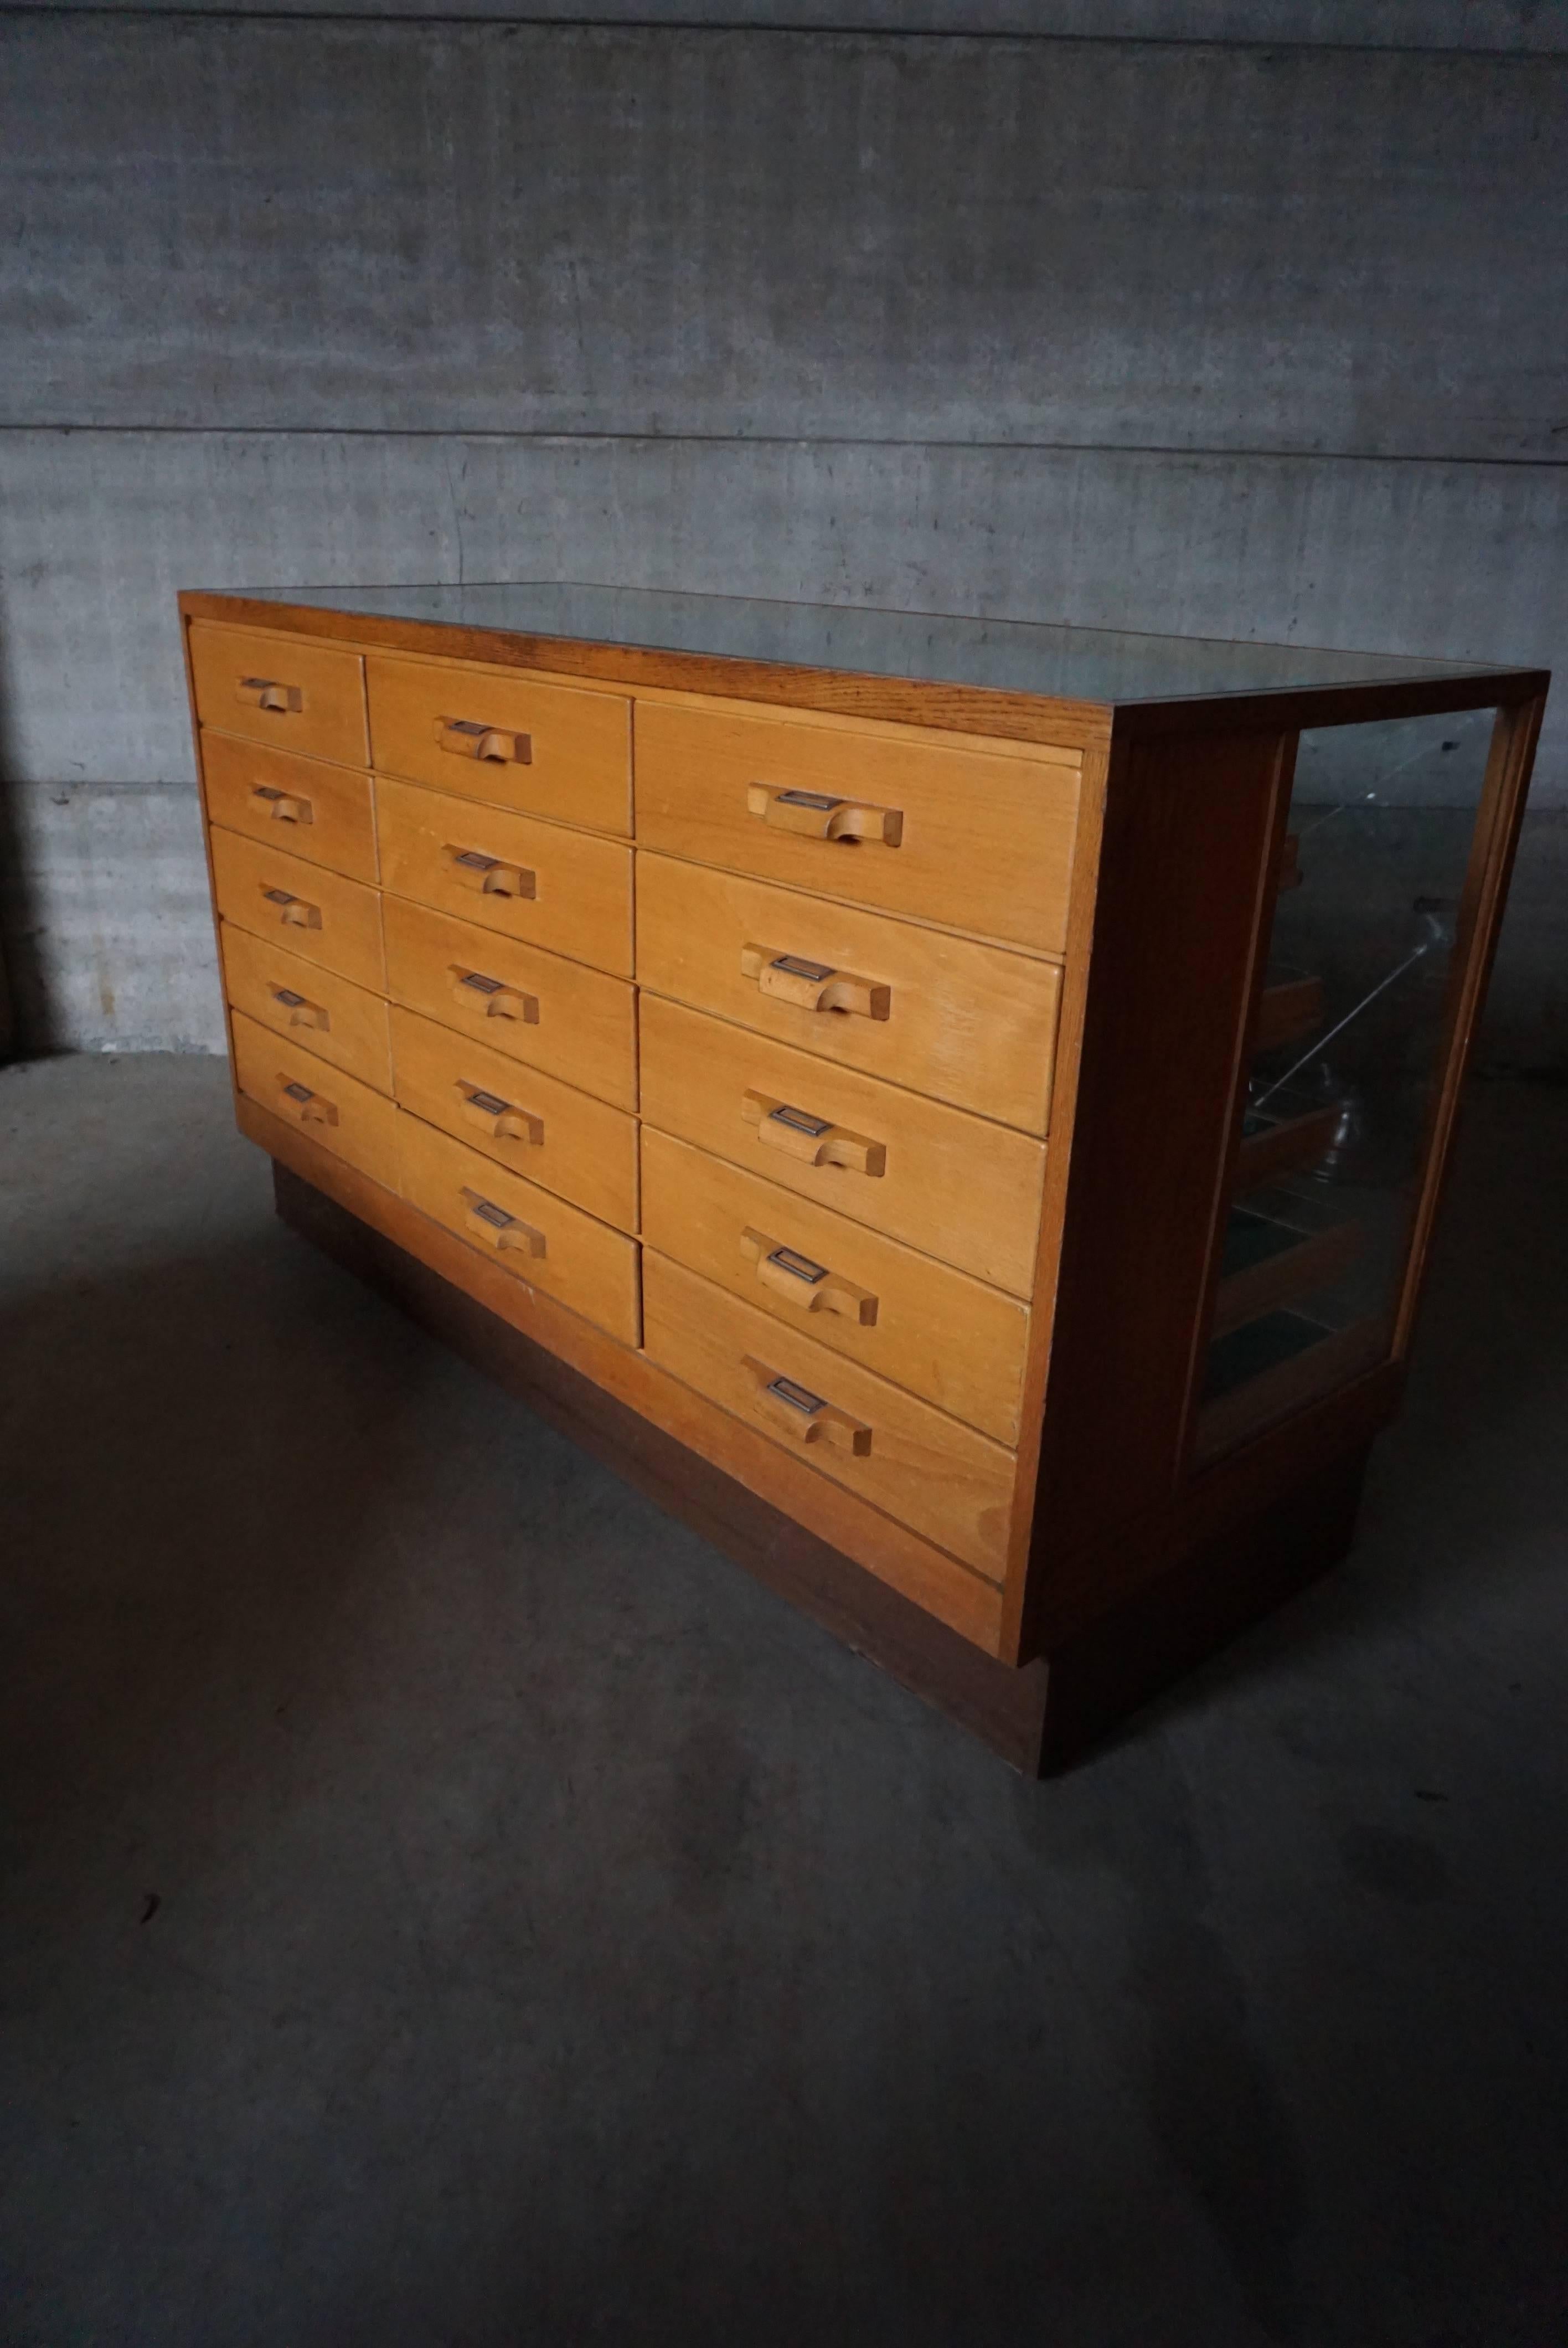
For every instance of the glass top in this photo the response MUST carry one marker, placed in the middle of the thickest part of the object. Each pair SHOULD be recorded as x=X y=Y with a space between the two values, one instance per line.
x=1099 y=664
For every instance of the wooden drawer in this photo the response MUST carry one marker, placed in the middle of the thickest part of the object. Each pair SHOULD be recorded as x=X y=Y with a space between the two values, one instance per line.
x=329 y=1107
x=969 y=1024
x=281 y=690
x=963 y=1190
x=540 y=883
x=920 y=1323
x=490 y=734
x=979 y=841
x=536 y=1007
x=548 y=1244
x=320 y=812
x=328 y=1015
x=545 y=1130
x=314 y=913
x=942 y=1479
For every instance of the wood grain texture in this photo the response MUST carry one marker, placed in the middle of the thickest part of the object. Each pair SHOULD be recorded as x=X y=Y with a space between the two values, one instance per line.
x=965 y=1602
x=316 y=914
x=959 y=1189
x=581 y=900
x=967 y=1024
x=1168 y=998
x=579 y=768
x=570 y=1143
x=345 y=1025
x=540 y=1008
x=335 y=1112
x=945 y=1337
x=321 y=688
x=985 y=847
x=939 y=1477
x=322 y=812
x=581 y=1263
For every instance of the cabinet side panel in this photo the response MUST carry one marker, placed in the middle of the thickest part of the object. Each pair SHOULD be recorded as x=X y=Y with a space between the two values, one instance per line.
x=1178 y=917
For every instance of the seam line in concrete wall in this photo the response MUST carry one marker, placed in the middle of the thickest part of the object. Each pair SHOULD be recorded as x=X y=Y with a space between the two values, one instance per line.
x=555 y=437
x=816 y=29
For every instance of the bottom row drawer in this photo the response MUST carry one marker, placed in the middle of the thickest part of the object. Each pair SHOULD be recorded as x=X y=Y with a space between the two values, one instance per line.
x=943 y=1480
x=544 y=1244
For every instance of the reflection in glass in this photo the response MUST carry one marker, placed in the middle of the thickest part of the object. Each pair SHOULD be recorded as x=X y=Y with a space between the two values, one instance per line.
x=1347 y=1056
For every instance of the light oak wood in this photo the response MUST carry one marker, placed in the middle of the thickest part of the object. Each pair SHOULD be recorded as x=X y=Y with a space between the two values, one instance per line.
x=938 y=1585
x=309 y=912
x=540 y=1008
x=547 y=1131
x=578 y=897
x=564 y=1253
x=320 y=812
x=341 y=1024
x=488 y=734
x=945 y=1337
x=985 y=844
x=1316 y=1258
x=969 y=1024
x=963 y=1190
x=280 y=690
x=931 y=1473
x=332 y=1108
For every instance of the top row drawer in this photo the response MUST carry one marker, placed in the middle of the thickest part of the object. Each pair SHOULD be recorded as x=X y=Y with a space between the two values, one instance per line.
x=476 y=733
x=975 y=840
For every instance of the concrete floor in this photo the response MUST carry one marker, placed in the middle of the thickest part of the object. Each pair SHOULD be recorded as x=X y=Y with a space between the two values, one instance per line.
x=446 y=1903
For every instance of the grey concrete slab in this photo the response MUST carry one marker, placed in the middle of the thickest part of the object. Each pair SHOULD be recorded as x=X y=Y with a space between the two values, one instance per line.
x=1511 y=26
x=445 y=1901
x=304 y=224
x=1462 y=562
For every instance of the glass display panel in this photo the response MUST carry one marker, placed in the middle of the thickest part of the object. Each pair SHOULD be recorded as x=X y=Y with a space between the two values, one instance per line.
x=1349 y=1052
x=1095 y=665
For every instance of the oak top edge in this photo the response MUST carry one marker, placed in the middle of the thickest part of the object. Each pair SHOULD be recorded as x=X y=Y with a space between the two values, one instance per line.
x=921 y=687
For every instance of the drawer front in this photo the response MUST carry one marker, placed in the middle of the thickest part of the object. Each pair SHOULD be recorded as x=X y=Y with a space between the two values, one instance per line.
x=536 y=1007
x=313 y=913
x=969 y=1024
x=941 y=1479
x=539 y=883
x=283 y=690
x=963 y=1190
x=923 y=1326
x=322 y=813
x=549 y=1245
x=489 y=734
x=979 y=841
x=328 y=1015
x=330 y=1108
x=547 y=1131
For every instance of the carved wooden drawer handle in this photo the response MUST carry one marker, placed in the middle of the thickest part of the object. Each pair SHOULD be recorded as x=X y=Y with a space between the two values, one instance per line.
x=806 y=1284
x=466 y=738
x=818 y=815
x=302 y=1105
x=489 y=875
x=301 y=1012
x=813 y=1139
x=267 y=693
x=492 y=998
x=809 y=1418
x=294 y=911
x=503 y=1121
x=282 y=806
x=814 y=985
x=504 y=1233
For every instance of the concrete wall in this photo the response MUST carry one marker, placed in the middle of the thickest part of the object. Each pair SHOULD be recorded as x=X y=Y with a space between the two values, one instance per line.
x=1208 y=334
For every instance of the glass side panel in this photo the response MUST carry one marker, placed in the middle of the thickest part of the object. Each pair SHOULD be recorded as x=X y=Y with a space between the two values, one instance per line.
x=1351 y=1037
x=1097 y=664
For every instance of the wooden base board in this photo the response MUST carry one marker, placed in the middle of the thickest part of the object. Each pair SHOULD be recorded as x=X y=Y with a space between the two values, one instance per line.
x=1040 y=1717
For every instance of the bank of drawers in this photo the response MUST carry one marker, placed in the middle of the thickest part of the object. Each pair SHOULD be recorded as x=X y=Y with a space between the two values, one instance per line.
x=796 y=1042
